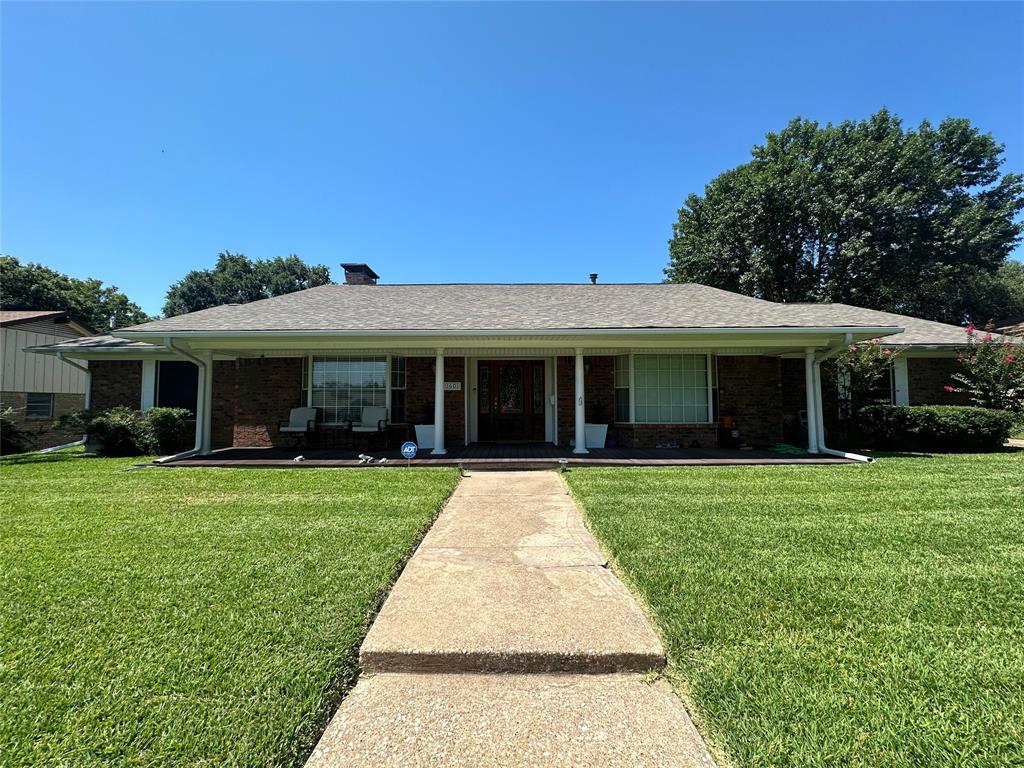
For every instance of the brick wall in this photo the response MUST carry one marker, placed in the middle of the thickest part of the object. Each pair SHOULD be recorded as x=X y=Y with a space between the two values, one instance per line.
x=926 y=377
x=265 y=391
x=42 y=431
x=116 y=382
x=750 y=390
x=222 y=429
x=565 y=376
x=651 y=435
x=419 y=396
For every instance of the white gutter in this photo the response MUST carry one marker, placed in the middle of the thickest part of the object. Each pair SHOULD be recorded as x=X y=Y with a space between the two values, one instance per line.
x=53 y=448
x=204 y=372
x=819 y=416
x=284 y=333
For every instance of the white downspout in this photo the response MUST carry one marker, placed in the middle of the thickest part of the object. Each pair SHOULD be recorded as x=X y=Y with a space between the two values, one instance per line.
x=820 y=426
x=200 y=403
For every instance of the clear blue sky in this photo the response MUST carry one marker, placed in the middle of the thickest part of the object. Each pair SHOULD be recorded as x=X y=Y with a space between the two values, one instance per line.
x=441 y=142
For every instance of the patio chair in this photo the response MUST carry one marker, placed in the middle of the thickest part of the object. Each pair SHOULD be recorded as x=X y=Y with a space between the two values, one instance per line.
x=301 y=423
x=373 y=420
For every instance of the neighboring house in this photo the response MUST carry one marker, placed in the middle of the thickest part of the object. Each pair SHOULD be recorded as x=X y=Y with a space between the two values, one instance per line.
x=39 y=389
x=656 y=363
x=1011 y=327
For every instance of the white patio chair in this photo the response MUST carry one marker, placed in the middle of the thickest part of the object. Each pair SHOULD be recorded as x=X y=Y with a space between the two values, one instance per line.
x=301 y=423
x=373 y=420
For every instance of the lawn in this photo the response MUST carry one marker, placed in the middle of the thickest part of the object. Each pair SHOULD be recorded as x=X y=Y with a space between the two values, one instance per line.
x=860 y=615
x=188 y=616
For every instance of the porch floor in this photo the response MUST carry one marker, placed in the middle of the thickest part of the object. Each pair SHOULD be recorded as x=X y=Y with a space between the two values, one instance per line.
x=500 y=456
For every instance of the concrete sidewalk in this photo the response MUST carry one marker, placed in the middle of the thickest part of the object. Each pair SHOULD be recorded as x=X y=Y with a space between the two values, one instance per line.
x=508 y=590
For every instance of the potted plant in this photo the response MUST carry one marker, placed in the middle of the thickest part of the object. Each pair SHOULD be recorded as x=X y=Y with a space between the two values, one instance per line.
x=425 y=430
x=596 y=430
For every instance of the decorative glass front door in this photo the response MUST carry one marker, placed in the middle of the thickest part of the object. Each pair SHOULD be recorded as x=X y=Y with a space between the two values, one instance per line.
x=510 y=400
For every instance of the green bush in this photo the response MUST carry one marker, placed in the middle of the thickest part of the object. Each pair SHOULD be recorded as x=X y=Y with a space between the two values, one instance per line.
x=169 y=428
x=124 y=432
x=120 y=432
x=13 y=439
x=939 y=428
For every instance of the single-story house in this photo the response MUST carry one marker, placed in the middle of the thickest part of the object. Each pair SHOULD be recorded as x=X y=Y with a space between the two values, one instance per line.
x=656 y=364
x=39 y=389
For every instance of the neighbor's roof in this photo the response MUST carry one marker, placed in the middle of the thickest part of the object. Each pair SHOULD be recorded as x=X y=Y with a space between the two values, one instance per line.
x=15 y=316
x=505 y=308
x=1014 y=327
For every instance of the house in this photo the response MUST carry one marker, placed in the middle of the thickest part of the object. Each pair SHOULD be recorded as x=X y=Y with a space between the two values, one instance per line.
x=656 y=363
x=40 y=389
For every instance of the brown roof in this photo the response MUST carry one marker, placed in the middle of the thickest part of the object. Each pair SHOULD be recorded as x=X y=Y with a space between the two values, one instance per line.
x=1014 y=326
x=15 y=316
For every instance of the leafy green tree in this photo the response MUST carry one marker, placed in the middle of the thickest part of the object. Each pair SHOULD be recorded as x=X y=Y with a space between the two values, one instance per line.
x=33 y=286
x=237 y=280
x=869 y=213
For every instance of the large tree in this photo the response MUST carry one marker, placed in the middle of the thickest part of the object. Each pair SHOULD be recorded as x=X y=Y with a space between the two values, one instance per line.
x=33 y=286
x=869 y=213
x=237 y=280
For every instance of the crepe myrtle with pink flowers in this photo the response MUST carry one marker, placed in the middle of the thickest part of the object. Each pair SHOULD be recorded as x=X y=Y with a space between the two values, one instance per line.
x=991 y=374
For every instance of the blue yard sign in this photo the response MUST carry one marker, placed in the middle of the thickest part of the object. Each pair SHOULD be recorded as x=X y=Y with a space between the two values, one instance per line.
x=409 y=450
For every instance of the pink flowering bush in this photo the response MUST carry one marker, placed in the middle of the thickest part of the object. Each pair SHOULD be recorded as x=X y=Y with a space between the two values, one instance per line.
x=992 y=374
x=863 y=373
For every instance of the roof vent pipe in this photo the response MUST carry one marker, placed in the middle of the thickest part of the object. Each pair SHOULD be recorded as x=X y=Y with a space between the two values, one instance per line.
x=593 y=278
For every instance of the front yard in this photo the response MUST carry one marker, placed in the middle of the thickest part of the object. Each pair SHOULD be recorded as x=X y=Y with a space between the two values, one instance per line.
x=821 y=616
x=189 y=616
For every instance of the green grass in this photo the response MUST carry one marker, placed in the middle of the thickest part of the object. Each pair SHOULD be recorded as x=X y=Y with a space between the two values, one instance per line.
x=166 y=617
x=861 y=615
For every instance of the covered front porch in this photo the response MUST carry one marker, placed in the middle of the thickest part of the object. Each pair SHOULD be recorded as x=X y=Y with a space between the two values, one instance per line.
x=498 y=456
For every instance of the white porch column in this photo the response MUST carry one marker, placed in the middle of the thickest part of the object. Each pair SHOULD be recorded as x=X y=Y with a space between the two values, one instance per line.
x=581 y=432
x=439 y=449
x=812 y=401
x=204 y=404
x=819 y=410
x=901 y=382
x=148 y=398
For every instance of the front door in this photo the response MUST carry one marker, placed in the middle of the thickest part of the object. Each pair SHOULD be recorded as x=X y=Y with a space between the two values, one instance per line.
x=510 y=401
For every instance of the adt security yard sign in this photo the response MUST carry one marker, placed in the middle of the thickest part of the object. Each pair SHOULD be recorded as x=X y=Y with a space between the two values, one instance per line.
x=409 y=450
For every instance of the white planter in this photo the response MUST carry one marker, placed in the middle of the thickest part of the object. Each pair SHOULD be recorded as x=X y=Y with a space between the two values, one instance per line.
x=595 y=434
x=425 y=436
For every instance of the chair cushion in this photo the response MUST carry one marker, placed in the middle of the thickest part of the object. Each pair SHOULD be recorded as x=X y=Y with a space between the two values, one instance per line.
x=357 y=428
x=294 y=429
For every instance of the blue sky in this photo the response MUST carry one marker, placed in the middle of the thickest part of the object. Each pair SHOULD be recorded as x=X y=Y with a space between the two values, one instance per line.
x=441 y=142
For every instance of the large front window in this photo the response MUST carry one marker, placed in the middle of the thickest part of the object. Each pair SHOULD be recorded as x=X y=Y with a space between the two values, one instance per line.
x=666 y=389
x=342 y=386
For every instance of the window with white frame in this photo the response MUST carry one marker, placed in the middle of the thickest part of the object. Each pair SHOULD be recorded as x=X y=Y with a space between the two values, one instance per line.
x=665 y=389
x=342 y=386
x=397 y=415
x=622 y=388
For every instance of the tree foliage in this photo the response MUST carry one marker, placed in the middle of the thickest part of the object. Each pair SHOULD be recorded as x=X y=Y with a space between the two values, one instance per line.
x=868 y=213
x=33 y=286
x=238 y=280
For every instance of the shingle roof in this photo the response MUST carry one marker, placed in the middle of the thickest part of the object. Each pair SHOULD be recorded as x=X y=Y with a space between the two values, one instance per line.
x=12 y=316
x=86 y=343
x=505 y=308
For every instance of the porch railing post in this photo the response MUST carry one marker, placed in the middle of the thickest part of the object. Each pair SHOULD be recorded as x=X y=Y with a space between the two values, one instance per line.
x=812 y=401
x=581 y=431
x=439 y=449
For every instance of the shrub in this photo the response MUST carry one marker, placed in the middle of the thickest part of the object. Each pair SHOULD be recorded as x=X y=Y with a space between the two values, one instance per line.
x=13 y=439
x=941 y=428
x=169 y=428
x=993 y=373
x=120 y=432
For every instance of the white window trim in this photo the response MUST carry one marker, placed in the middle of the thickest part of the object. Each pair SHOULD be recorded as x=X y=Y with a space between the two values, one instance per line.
x=309 y=379
x=710 y=359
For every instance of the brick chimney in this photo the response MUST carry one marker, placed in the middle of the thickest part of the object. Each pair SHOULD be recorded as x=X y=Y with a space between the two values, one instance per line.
x=359 y=274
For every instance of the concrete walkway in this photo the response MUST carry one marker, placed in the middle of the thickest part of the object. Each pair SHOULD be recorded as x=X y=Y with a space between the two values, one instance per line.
x=508 y=642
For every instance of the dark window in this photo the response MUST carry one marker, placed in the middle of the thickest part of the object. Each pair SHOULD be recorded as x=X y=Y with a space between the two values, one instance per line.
x=39 y=405
x=176 y=383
